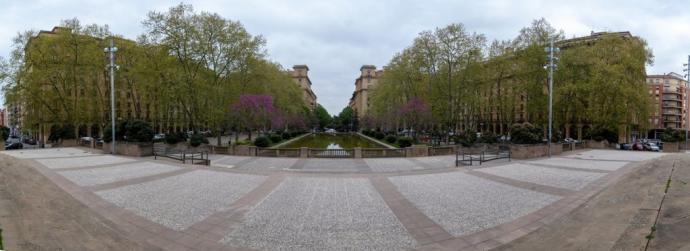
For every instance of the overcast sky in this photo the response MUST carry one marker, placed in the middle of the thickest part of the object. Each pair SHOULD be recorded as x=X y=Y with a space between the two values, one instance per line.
x=334 y=38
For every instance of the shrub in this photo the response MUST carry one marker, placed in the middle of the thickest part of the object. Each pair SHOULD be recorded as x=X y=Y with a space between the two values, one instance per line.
x=405 y=141
x=600 y=134
x=242 y=142
x=525 y=133
x=466 y=139
x=119 y=132
x=275 y=138
x=391 y=139
x=295 y=134
x=488 y=138
x=379 y=135
x=197 y=139
x=671 y=135
x=262 y=141
x=4 y=133
x=138 y=131
x=175 y=137
x=286 y=135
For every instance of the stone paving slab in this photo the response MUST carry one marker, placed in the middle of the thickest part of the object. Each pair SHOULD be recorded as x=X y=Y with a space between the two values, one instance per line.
x=616 y=155
x=180 y=201
x=334 y=165
x=463 y=204
x=581 y=163
x=104 y=175
x=229 y=160
x=267 y=163
x=98 y=160
x=437 y=162
x=46 y=153
x=322 y=214
x=573 y=180
x=391 y=165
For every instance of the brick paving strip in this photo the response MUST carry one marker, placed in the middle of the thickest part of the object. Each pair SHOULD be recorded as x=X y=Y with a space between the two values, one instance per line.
x=133 y=181
x=419 y=226
x=569 y=168
x=522 y=184
x=99 y=166
x=214 y=228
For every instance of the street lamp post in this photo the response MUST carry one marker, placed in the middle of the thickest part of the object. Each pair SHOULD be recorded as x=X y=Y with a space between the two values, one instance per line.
x=552 y=64
x=686 y=69
x=112 y=67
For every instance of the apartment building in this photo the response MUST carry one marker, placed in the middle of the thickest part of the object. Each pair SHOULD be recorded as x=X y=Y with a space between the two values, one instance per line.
x=669 y=94
x=367 y=80
x=300 y=73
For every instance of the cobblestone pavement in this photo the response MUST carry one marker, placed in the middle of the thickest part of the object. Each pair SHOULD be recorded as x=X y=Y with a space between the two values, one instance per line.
x=328 y=204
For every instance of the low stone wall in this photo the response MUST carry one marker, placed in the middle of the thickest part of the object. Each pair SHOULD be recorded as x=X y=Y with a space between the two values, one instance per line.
x=130 y=149
x=66 y=143
x=597 y=144
x=417 y=151
x=534 y=151
x=671 y=147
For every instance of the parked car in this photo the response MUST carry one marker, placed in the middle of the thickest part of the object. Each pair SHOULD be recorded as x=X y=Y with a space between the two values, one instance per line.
x=158 y=137
x=14 y=145
x=29 y=141
x=626 y=146
x=637 y=146
x=651 y=147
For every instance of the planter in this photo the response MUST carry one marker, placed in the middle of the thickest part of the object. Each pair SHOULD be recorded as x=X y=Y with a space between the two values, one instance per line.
x=244 y=150
x=597 y=144
x=534 y=151
x=417 y=151
x=134 y=149
x=671 y=147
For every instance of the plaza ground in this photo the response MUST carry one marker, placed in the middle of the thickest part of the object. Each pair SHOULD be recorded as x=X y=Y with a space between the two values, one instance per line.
x=74 y=199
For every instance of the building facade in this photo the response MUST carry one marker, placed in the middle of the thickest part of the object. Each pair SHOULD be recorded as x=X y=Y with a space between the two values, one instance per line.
x=3 y=117
x=300 y=73
x=367 y=81
x=669 y=93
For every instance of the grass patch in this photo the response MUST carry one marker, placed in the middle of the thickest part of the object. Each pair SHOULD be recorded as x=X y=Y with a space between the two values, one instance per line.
x=1 y=247
x=668 y=184
x=651 y=234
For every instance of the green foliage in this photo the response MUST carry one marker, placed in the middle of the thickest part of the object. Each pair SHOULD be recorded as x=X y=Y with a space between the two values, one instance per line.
x=405 y=142
x=324 y=119
x=391 y=139
x=286 y=135
x=175 y=137
x=262 y=141
x=4 y=133
x=600 y=134
x=346 y=120
x=243 y=142
x=275 y=138
x=138 y=131
x=525 y=133
x=58 y=132
x=466 y=139
x=379 y=135
x=197 y=139
x=672 y=135
x=488 y=138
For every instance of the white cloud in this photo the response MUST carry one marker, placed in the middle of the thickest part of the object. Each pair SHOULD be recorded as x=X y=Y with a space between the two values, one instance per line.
x=336 y=37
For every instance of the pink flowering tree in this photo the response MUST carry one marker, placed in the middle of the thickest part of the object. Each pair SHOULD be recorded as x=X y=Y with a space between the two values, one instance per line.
x=414 y=114
x=253 y=112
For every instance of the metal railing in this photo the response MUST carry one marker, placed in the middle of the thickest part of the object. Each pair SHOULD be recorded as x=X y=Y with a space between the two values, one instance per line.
x=331 y=153
x=278 y=152
x=382 y=153
x=468 y=157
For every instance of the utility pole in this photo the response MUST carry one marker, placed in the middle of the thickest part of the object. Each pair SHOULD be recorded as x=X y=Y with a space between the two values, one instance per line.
x=112 y=67
x=552 y=64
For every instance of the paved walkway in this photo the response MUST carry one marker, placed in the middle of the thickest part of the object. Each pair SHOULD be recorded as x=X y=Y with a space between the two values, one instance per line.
x=297 y=204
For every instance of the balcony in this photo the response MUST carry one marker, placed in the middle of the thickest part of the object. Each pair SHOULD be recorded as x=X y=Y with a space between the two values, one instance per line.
x=672 y=91
x=674 y=105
